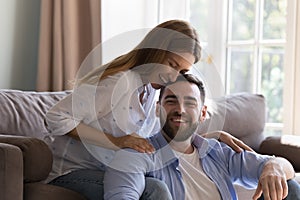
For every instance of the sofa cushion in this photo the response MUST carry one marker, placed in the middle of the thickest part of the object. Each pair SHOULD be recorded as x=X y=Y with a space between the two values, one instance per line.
x=11 y=172
x=38 y=191
x=37 y=157
x=287 y=146
x=240 y=114
x=23 y=112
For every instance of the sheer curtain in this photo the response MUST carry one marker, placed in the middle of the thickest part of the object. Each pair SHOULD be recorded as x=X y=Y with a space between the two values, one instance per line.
x=69 y=30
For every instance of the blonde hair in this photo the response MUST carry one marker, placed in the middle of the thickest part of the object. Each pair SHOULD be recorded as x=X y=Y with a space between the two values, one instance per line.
x=170 y=36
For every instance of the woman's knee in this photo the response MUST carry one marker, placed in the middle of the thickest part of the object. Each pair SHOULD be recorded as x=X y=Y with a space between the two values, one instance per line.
x=156 y=189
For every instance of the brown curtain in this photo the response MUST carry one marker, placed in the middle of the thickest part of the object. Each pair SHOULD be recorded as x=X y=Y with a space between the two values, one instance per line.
x=69 y=30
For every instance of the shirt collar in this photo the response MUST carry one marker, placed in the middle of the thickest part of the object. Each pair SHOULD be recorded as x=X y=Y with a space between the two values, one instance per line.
x=161 y=145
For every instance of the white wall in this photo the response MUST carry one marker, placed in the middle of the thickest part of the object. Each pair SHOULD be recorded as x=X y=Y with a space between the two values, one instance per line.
x=19 y=22
x=126 y=22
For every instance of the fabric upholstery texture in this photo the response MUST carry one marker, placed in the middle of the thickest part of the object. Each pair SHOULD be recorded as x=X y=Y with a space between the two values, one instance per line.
x=22 y=112
x=37 y=157
x=40 y=191
x=273 y=145
x=11 y=172
x=241 y=114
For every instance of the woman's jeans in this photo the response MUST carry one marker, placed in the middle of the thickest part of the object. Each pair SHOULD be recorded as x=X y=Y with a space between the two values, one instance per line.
x=89 y=183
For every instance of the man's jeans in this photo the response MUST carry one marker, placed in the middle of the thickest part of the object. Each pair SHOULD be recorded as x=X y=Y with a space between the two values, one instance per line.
x=89 y=183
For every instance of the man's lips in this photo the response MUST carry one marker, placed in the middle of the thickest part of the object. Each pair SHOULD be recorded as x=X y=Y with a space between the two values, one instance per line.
x=178 y=121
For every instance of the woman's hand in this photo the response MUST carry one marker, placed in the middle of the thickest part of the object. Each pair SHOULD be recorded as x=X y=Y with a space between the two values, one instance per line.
x=133 y=141
x=228 y=139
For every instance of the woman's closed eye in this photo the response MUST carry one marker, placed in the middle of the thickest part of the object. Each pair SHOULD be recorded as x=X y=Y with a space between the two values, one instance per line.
x=173 y=65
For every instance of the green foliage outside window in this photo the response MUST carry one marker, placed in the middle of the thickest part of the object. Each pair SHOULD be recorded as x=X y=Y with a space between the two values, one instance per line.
x=256 y=33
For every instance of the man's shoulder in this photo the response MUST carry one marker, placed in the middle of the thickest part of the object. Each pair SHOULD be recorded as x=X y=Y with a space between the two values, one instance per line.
x=158 y=141
x=209 y=146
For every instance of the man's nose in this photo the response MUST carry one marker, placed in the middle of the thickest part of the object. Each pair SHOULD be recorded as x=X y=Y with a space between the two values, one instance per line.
x=180 y=108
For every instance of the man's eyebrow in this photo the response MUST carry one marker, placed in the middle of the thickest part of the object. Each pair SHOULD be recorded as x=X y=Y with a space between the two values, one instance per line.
x=171 y=96
x=190 y=98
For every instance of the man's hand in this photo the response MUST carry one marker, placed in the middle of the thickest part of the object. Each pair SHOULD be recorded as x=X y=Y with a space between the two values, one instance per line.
x=273 y=180
x=230 y=140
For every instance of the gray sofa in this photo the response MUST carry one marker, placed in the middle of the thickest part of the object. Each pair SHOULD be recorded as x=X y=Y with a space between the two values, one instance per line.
x=26 y=160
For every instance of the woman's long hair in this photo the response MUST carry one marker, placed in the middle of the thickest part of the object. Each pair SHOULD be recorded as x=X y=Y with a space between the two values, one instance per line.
x=171 y=36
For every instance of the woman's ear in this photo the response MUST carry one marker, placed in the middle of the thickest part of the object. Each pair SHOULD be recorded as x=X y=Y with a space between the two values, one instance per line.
x=203 y=112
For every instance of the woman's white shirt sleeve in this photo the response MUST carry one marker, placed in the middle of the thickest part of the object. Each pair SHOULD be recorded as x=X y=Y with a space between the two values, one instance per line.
x=112 y=106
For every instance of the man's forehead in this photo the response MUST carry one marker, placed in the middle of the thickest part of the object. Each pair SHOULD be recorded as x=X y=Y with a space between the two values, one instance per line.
x=183 y=88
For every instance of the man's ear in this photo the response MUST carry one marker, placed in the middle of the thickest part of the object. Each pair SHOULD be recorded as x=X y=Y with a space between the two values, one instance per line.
x=202 y=117
x=157 y=109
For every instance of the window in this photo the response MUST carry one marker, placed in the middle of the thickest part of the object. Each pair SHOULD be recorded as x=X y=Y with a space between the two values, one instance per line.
x=252 y=58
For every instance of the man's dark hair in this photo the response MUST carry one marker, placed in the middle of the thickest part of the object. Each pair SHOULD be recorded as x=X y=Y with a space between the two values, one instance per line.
x=189 y=78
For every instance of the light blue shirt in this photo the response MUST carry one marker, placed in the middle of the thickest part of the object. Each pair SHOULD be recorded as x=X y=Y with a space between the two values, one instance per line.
x=125 y=176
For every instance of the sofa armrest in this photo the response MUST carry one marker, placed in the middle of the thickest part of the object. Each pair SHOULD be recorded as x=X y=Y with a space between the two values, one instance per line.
x=11 y=172
x=275 y=145
x=37 y=157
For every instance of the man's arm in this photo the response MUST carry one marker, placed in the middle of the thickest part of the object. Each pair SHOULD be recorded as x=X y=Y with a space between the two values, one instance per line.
x=273 y=179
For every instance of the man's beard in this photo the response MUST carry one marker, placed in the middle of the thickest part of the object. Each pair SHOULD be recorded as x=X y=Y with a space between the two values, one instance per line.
x=178 y=134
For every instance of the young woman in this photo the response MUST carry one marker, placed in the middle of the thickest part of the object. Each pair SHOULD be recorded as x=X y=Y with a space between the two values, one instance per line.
x=113 y=107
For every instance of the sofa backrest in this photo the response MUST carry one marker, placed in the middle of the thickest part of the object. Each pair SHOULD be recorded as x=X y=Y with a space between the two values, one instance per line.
x=242 y=115
x=22 y=112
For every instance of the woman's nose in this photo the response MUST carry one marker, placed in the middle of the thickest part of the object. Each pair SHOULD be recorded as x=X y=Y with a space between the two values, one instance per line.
x=173 y=76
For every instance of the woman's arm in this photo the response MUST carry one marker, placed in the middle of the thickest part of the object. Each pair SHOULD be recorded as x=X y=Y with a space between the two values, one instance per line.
x=228 y=139
x=94 y=136
x=62 y=120
x=86 y=104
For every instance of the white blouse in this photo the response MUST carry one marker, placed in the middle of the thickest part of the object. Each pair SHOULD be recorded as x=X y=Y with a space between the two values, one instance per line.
x=113 y=106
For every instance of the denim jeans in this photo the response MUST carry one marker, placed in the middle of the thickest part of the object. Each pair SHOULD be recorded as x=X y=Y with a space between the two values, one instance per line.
x=294 y=191
x=89 y=183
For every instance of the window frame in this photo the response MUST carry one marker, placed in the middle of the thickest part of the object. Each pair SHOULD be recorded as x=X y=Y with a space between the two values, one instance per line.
x=291 y=96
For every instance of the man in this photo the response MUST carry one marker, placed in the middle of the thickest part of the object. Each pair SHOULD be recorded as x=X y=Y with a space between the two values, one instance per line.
x=191 y=166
